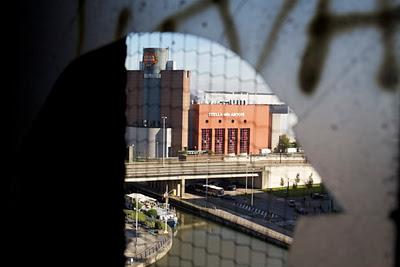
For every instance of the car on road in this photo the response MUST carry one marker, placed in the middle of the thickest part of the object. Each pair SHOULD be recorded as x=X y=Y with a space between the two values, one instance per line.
x=317 y=196
x=291 y=203
x=226 y=185
x=300 y=210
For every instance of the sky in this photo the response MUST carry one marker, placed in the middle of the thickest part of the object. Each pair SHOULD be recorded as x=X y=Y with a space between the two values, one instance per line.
x=213 y=67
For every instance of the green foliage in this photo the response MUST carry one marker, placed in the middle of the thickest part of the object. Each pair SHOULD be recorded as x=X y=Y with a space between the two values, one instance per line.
x=151 y=213
x=158 y=225
x=310 y=181
x=131 y=214
x=299 y=191
x=284 y=143
x=150 y=224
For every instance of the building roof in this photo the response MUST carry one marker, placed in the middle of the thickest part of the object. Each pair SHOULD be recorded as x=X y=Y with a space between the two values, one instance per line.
x=141 y=197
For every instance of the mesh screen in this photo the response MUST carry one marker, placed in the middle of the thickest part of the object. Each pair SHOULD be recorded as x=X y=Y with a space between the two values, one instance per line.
x=223 y=144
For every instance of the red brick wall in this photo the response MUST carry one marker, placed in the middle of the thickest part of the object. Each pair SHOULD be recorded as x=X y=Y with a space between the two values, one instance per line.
x=134 y=89
x=175 y=101
x=256 y=118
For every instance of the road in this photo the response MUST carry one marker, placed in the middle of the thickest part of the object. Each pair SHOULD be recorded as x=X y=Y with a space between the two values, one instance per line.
x=267 y=210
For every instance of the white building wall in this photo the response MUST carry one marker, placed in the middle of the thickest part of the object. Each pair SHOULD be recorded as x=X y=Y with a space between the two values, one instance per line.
x=148 y=142
x=245 y=98
x=273 y=175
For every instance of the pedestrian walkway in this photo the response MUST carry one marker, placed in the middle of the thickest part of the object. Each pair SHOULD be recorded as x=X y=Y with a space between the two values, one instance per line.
x=143 y=244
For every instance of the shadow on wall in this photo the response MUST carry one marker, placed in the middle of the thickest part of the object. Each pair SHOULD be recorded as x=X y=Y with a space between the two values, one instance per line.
x=70 y=188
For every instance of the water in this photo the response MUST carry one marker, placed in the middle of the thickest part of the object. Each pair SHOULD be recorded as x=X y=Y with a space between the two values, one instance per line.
x=199 y=242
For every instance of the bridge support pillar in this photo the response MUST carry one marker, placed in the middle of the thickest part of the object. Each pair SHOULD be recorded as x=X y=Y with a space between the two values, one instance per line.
x=182 y=187
x=265 y=176
x=130 y=154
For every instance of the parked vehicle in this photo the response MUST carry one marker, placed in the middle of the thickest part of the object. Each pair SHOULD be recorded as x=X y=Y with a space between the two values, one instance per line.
x=291 y=203
x=211 y=190
x=300 y=210
x=226 y=185
x=317 y=196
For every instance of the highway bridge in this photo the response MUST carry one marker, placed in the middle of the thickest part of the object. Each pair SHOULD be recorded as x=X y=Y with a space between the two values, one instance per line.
x=267 y=174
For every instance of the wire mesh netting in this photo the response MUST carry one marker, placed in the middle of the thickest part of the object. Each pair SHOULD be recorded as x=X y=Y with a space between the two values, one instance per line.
x=207 y=134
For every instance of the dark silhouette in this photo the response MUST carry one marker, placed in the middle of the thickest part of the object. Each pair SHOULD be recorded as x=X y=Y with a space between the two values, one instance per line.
x=69 y=189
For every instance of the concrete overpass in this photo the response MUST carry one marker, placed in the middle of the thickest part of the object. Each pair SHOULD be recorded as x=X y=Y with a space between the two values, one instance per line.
x=175 y=173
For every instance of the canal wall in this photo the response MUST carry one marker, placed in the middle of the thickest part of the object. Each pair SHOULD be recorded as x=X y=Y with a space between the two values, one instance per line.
x=153 y=254
x=228 y=219
x=235 y=222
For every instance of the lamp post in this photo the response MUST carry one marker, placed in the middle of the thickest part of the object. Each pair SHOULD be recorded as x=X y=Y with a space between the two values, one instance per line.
x=252 y=187
x=163 y=154
x=246 y=181
x=166 y=210
x=208 y=166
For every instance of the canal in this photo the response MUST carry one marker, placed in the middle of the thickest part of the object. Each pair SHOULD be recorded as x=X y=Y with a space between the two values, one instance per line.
x=199 y=242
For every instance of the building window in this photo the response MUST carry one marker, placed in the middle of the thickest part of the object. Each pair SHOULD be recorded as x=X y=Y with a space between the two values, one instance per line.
x=245 y=121
x=206 y=138
x=206 y=121
x=232 y=140
x=219 y=121
x=244 y=140
x=219 y=141
x=232 y=121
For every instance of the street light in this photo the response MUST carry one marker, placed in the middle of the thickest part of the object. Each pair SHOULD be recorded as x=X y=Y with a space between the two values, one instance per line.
x=208 y=166
x=136 y=218
x=163 y=154
x=252 y=187
x=246 y=180
x=166 y=209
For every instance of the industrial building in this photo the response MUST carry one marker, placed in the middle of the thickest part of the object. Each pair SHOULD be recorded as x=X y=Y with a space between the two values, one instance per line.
x=231 y=129
x=158 y=111
x=158 y=99
x=279 y=114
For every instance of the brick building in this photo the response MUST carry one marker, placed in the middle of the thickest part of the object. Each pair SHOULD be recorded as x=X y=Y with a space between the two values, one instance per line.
x=231 y=129
x=154 y=91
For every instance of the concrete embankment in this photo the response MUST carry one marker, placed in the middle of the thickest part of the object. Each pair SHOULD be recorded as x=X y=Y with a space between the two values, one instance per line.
x=230 y=220
x=235 y=222
x=155 y=251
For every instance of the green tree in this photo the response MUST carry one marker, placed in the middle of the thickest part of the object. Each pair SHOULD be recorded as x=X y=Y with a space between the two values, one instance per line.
x=158 y=225
x=284 y=143
x=151 y=213
x=310 y=181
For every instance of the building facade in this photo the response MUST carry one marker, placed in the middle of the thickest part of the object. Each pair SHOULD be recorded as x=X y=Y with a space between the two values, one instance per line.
x=231 y=129
x=153 y=92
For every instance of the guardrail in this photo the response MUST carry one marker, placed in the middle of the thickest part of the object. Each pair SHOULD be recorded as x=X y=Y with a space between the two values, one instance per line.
x=147 y=253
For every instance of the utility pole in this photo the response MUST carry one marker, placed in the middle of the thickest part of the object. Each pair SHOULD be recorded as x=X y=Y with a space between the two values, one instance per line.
x=163 y=154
